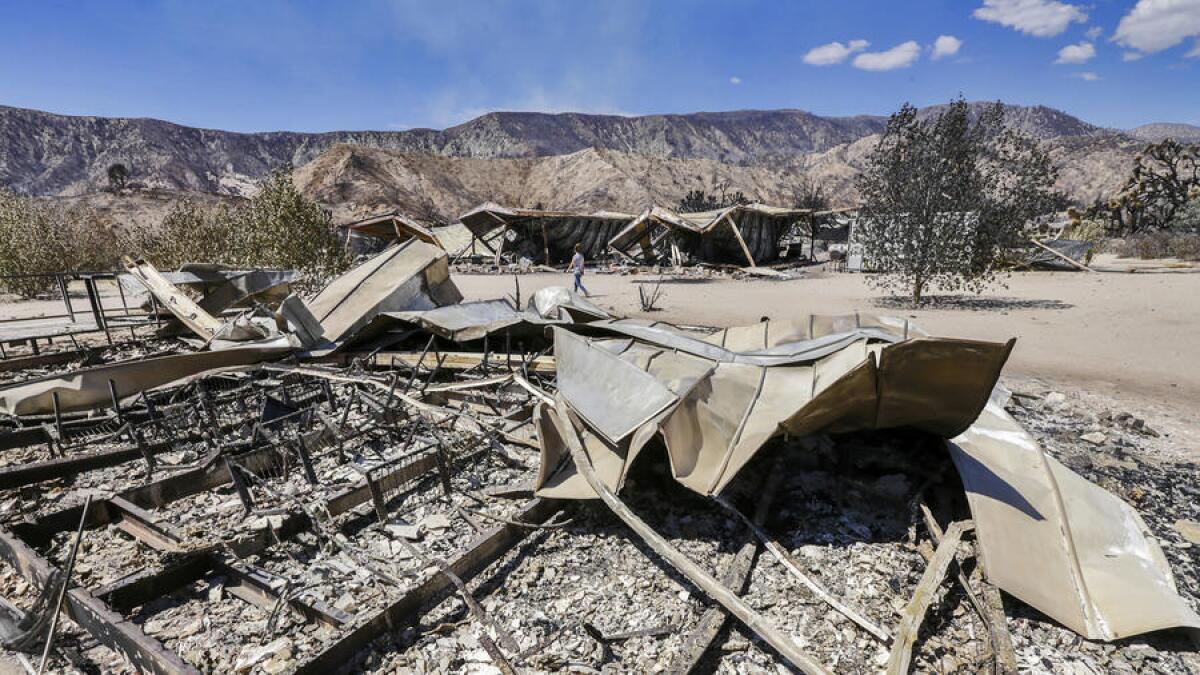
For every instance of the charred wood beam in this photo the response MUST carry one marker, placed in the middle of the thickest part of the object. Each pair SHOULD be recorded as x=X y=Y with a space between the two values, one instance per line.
x=106 y=626
x=146 y=527
x=145 y=585
x=265 y=590
x=914 y=614
x=340 y=656
x=752 y=619
x=687 y=660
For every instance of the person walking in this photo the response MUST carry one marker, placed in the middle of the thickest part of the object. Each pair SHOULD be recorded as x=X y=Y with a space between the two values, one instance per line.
x=576 y=266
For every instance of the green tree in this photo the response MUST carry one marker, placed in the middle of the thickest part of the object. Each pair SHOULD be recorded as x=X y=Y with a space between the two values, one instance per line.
x=942 y=199
x=39 y=236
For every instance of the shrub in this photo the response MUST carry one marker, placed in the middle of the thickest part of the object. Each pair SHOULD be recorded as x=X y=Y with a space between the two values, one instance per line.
x=1185 y=246
x=39 y=237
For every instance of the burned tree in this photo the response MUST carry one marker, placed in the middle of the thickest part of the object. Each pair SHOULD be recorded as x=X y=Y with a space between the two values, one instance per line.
x=118 y=177
x=943 y=198
x=696 y=201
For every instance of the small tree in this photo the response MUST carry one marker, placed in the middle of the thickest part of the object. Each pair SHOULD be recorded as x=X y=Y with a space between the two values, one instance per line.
x=943 y=198
x=278 y=227
x=118 y=176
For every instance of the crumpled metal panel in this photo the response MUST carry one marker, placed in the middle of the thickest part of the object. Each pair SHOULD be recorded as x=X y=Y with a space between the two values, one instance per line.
x=559 y=302
x=88 y=387
x=468 y=321
x=410 y=276
x=1047 y=536
x=611 y=395
x=1061 y=544
x=723 y=405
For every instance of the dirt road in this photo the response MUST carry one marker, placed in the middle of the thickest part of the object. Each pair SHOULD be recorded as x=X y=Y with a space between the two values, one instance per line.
x=1132 y=338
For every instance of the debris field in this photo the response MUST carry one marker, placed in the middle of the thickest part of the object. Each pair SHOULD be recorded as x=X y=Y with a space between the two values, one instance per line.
x=383 y=478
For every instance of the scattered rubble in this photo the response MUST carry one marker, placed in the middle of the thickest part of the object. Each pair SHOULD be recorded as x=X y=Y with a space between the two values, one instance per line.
x=404 y=486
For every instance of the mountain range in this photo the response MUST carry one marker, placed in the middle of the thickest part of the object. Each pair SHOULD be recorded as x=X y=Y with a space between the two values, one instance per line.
x=567 y=160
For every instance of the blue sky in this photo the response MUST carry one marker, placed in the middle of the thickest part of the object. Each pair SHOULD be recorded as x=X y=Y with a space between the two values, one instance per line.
x=260 y=65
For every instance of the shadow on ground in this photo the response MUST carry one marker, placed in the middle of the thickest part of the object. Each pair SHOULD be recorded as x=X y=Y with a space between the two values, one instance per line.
x=972 y=303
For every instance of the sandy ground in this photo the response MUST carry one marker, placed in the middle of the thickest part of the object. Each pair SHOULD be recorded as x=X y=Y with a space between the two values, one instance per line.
x=1133 y=339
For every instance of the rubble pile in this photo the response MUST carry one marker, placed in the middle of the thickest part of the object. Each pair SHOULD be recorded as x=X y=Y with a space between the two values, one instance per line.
x=386 y=479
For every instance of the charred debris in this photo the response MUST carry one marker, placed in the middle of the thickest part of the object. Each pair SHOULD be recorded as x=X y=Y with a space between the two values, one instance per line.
x=382 y=477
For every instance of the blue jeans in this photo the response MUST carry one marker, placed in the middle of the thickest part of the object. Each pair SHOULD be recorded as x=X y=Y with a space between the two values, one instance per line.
x=579 y=283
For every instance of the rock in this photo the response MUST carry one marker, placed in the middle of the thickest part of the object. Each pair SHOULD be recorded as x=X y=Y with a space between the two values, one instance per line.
x=1189 y=529
x=154 y=626
x=275 y=665
x=1095 y=438
x=216 y=592
x=196 y=626
x=405 y=531
x=346 y=603
x=1054 y=400
x=278 y=649
x=437 y=521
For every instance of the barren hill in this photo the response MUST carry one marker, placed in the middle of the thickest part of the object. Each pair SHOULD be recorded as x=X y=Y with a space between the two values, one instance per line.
x=1184 y=133
x=354 y=181
x=46 y=154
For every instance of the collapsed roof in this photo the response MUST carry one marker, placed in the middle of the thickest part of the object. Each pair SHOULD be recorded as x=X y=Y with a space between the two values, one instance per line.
x=743 y=233
x=547 y=237
x=394 y=226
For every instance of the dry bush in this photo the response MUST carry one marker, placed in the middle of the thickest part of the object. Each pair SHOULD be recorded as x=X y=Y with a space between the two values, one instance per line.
x=1149 y=245
x=39 y=237
x=277 y=228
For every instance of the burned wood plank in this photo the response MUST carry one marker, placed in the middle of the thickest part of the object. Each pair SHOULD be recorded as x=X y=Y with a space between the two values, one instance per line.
x=702 y=579
x=106 y=626
x=339 y=657
x=736 y=578
x=146 y=527
x=263 y=589
x=914 y=613
x=990 y=610
x=145 y=585
x=813 y=587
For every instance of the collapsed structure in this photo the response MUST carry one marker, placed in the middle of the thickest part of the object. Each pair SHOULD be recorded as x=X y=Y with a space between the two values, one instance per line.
x=340 y=464
x=743 y=234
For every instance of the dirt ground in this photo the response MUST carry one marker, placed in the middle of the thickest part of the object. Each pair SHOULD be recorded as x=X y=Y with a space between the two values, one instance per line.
x=1131 y=339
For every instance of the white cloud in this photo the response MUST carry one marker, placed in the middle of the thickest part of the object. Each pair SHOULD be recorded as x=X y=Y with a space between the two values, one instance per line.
x=1195 y=53
x=1080 y=53
x=1041 y=18
x=1155 y=25
x=902 y=55
x=735 y=80
x=1087 y=76
x=834 y=52
x=946 y=45
x=1132 y=56
x=1094 y=32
